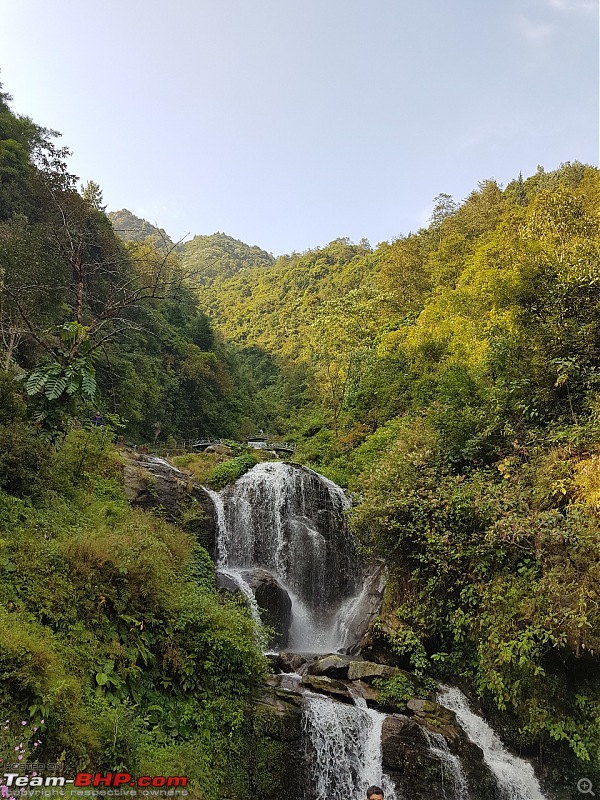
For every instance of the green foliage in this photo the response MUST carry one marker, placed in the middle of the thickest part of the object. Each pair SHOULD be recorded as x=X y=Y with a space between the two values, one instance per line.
x=395 y=691
x=113 y=633
x=230 y=470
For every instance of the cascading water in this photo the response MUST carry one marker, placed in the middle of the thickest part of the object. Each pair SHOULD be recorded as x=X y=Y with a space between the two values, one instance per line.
x=221 y=526
x=515 y=776
x=451 y=766
x=345 y=741
x=290 y=521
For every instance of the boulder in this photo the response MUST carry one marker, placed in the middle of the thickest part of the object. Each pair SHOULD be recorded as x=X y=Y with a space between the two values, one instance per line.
x=153 y=483
x=289 y=662
x=434 y=716
x=333 y=666
x=274 y=603
x=226 y=582
x=324 y=685
x=368 y=671
x=367 y=692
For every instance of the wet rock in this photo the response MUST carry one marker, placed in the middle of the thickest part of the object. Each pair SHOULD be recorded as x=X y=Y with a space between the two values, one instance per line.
x=407 y=760
x=333 y=666
x=436 y=717
x=274 y=603
x=290 y=662
x=285 y=683
x=152 y=483
x=324 y=685
x=226 y=583
x=367 y=692
x=358 y=614
x=419 y=773
x=368 y=671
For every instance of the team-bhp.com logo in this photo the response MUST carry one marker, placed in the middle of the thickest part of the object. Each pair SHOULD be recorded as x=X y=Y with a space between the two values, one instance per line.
x=114 y=780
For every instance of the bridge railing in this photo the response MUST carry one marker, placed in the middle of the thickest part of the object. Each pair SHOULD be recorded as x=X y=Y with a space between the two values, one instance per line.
x=192 y=444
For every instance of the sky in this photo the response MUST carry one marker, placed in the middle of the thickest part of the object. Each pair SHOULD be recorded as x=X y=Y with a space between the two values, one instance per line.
x=290 y=123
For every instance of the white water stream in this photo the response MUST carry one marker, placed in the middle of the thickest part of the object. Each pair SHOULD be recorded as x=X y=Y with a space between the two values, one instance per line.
x=346 y=740
x=290 y=521
x=451 y=766
x=515 y=776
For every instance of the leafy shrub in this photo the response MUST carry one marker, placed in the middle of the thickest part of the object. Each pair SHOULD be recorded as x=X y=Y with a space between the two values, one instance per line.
x=229 y=471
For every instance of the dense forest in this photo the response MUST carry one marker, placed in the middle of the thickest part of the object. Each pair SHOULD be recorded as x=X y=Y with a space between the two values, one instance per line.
x=449 y=379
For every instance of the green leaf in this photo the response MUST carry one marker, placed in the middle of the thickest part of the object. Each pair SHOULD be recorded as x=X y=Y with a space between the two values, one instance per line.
x=55 y=386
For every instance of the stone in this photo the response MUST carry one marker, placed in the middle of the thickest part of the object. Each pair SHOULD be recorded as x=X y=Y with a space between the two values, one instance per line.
x=367 y=692
x=368 y=671
x=324 y=685
x=226 y=583
x=333 y=666
x=434 y=716
x=274 y=603
x=290 y=662
x=153 y=483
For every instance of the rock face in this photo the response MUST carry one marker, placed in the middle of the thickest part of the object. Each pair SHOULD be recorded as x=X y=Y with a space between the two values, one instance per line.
x=357 y=614
x=276 y=758
x=274 y=603
x=153 y=483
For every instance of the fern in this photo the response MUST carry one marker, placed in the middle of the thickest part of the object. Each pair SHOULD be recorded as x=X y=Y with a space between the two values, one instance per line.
x=55 y=386
x=35 y=382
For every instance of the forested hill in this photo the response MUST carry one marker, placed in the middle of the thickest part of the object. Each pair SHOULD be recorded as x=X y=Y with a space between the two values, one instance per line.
x=210 y=258
x=206 y=259
x=135 y=229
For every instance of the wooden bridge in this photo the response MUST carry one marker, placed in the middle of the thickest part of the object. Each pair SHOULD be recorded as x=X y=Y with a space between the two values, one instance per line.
x=260 y=444
x=202 y=444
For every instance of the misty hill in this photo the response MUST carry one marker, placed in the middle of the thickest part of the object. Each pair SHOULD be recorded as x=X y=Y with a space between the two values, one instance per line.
x=220 y=256
x=135 y=229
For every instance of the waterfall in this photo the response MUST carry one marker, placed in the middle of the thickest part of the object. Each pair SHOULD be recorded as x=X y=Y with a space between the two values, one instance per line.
x=291 y=521
x=245 y=589
x=438 y=746
x=515 y=776
x=345 y=741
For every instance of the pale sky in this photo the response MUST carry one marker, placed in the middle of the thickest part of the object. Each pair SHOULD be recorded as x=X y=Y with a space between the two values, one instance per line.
x=289 y=123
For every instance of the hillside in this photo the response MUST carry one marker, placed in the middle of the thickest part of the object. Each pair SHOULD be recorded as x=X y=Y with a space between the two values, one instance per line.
x=451 y=380
x=135 y=229
x=208 y=258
